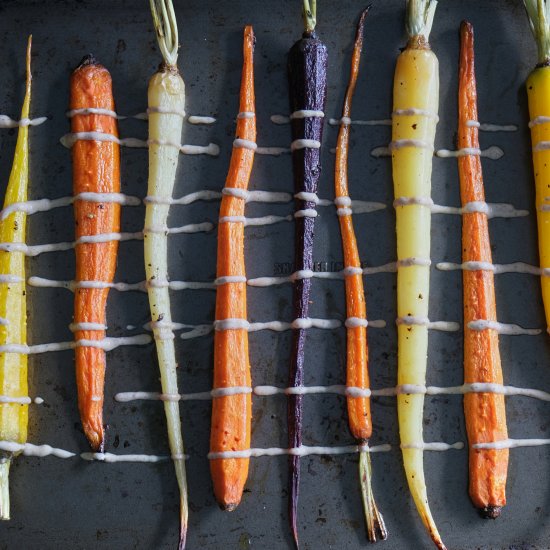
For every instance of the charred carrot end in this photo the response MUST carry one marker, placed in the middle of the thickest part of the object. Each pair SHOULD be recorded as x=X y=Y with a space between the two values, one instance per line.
x=485 y=412
x=232 y=414
x=13 y=366
x=96 y=169
x=415 y=106
x=357 y=374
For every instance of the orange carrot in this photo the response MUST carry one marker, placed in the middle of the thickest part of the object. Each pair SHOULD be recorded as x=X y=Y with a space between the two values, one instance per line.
x=485 y=412
x=231 y=414
x=96 y=169
x=359 y=413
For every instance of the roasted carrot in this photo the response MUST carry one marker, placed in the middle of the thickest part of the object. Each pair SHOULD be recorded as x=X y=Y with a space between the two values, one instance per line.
x=307 y=75
x=166 y=106
x=414 y=118
x=538 y=97
x=13 y=309
x=232 y=414
x=485 y=412
x=96 y=169
x=359 y=411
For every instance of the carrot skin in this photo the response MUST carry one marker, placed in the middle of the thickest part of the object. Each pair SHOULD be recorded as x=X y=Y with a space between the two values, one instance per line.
x=232 y=415
x=357 y=374
x=307 y=66
x=96 y=168
x=485 y=412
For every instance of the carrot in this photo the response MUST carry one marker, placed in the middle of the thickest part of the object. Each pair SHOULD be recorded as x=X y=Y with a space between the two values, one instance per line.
x=538 y=98
x=166 y=106
x=96 y=169
x=307 y=75
x=415 y=106
x=231 y=414
x=485 y=412
x=14 y=416
x=359 y=412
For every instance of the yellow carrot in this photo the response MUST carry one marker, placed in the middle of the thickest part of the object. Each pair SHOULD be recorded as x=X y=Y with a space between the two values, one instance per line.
x=415 y=106
x=13 y=307
x=538 y=96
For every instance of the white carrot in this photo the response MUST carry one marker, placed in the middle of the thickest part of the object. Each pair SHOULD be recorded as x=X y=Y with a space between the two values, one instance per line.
x=166 y=102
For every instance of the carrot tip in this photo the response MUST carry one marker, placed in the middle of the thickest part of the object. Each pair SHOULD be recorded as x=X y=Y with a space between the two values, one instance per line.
x=490 y=512
x=183 y=537
x=230 y=507
x=87 y=60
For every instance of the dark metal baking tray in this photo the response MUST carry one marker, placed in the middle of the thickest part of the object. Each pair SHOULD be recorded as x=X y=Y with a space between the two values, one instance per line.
x=75 y=504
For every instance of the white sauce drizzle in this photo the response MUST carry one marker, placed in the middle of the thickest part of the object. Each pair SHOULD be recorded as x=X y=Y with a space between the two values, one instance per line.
x=416 y=112
x=493 y=152
x=112 y=458
x=196 y=119
x=246 y=114
x=306 y=213
x=35 y=250
x=416 y=143
x=539 y=120
x=10 y=279
x=68 y=140
x=275 y=151
x=28 y=449
x=303 y=450
x=308 y=197
x=492 y=210
x=25 y=400
x=517 y=267
x=306 y=113
x=106 y=344
x=351 y=391
x=347 y=121
x=411 y=320
x=511 y=444
x=7 y=122
x=75 y=327
x=502 y=328
x=435 y=446
x=305 y=144
x=245 y=144
x=44 y=205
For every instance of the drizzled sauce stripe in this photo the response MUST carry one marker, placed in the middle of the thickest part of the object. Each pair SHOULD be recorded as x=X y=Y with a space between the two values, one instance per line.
x=350 y=391
x=106 y=344
x=35 y=250
x=41 y=451
x=68 y=140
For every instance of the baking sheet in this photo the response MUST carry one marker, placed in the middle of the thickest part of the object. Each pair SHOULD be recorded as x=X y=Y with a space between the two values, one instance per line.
x=75 y=504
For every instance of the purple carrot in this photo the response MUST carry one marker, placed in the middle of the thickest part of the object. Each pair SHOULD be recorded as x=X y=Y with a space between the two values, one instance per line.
x=307 y=74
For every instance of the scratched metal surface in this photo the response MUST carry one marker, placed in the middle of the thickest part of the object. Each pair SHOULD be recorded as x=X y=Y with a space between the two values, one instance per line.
x=74 y=504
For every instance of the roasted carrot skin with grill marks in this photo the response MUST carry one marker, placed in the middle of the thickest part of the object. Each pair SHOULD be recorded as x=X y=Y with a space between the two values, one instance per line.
x=232 y=414
x=96 y=168
x=485 y=412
